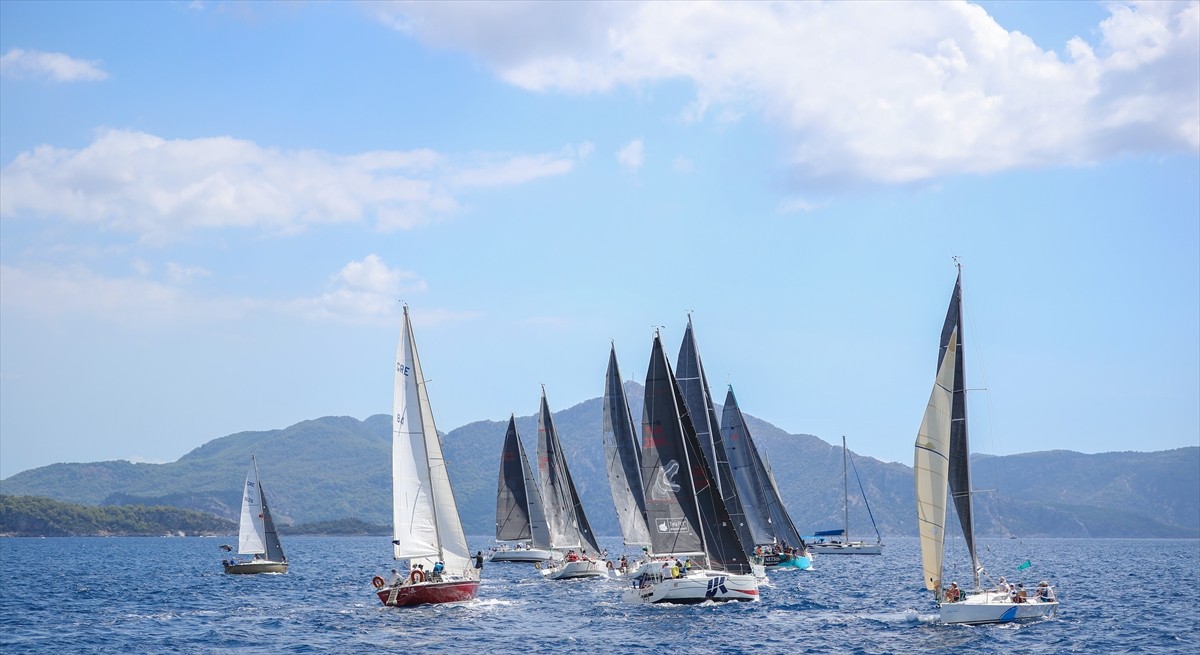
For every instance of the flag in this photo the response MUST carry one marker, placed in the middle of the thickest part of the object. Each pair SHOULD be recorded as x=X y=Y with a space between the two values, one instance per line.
x=1024 y=565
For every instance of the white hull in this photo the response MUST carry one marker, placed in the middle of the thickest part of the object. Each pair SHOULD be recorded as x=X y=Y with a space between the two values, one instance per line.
x=696 y=587
x=577 y=569
x=522 y=555
x=995 y=608
x=851 y=548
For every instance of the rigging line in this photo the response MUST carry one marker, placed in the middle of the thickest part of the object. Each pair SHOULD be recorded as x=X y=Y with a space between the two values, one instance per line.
x=864 y=496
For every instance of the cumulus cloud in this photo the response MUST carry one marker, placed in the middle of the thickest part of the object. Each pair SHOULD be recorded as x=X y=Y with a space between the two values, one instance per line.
x=363 y=291
x=631 y=155
x=52 y=66
x=887 y=92
x=143 y=184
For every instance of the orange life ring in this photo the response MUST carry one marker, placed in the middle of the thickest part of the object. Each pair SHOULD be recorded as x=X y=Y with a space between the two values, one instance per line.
x=417 y=575
x=378 y=582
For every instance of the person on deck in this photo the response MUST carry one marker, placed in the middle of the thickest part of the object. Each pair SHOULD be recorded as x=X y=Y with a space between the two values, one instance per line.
x=953 y=594
x=394 y=579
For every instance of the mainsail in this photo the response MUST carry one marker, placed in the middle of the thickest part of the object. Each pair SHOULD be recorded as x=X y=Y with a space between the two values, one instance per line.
x=765 y=514
x=931 y=464
x=256 y=530
x=623 y=457
x=684 y=510
x=519 y=512
x=569 y=527
x=693 y=384
x=425 y=522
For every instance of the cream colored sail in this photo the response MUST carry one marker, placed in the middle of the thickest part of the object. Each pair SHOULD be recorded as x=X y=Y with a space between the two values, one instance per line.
x=931 y=464
x=425 y=519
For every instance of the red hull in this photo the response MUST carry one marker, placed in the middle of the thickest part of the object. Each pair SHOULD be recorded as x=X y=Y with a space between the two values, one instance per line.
x=430 y=593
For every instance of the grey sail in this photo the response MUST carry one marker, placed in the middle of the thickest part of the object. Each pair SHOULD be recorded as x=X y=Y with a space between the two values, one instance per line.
x=274 y=549
x=693 y=383
x=623 y=458
x=959 y=476
x=765 y=514
x=519 y=512
x=684 y=510
x=569 y=527
x=785 y=529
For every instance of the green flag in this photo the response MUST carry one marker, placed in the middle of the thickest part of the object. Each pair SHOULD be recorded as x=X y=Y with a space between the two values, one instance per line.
x=1024 y=565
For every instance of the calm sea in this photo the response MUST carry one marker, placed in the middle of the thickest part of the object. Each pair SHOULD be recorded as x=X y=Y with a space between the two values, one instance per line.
x=169 y=595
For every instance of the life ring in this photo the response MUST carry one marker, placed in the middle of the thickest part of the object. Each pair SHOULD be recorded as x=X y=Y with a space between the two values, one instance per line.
x=537 y=565
x=377 y=582
x=417 y=575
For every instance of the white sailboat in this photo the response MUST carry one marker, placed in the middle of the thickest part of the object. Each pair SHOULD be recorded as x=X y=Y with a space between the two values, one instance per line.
x=256 y=532
x=520 y=517
x=690 y=524
x=941 y=462
x=570 y=533
x=838 y=542
x=426 y=529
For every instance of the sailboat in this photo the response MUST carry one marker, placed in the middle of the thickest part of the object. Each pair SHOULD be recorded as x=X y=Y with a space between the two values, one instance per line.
x=941 y=461
x=519 y=513
x=256 y=532
x=837 y=542
x=693 y=383
x=687 y=515
x=426 y=529
x=779 y=544
x=623 y=458
x=570 y=532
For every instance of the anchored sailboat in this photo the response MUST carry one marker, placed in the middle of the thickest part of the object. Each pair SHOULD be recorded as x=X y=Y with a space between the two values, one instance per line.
x=837 y=542
x=426 y=529
x=942 y=460
x=520 y=516
x=256 y=532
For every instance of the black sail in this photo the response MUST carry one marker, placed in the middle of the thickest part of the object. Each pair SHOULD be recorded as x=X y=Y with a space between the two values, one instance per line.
x=764 y=512
x=693 y=383
x=960 y=464
x=273 y=547
x=685 y=513
x=623 y=454
x=564 y=510
x=512 y=502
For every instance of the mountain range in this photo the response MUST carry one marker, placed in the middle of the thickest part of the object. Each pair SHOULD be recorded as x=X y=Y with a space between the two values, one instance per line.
x=334 y=468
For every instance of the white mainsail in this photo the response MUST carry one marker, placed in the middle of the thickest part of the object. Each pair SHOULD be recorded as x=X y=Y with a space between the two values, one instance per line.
x=425 y=521
x=252 y=530
x=931 y=464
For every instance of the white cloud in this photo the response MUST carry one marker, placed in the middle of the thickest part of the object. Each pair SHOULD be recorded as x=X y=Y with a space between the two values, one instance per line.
x=891 y=92
x=52 y=66
x=365 y=291
x=795 y=206
x=158 y=188
x=631 y=155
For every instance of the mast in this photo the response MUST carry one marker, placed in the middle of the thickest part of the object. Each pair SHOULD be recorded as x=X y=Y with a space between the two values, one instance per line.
x=845 y=494
x=960 y=450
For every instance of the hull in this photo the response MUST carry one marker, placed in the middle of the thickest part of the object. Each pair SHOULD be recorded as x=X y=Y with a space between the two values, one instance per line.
x=578 y=569
x=522 y=555
x=995 y=608
x=851 y=548
x=793 y=562
x=255 y=567
x=696 y=587
x=429 y=593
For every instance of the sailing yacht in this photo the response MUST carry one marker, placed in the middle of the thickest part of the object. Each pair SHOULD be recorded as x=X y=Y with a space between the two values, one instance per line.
x=689 y=521
x=941 y=462
x=570 y=533
x=838 y=542
x=256 y=532
x=520 y=516
x=623 y=459
x=426 y=529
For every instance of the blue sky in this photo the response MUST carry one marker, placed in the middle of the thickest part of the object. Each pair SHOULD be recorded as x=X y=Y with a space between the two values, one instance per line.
x=209 y=210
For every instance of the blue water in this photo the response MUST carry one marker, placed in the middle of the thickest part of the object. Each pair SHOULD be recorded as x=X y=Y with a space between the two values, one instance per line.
x=169 y=595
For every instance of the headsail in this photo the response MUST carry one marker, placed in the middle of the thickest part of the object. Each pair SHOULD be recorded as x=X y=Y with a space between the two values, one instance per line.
x=749 y=475
x=623 y=456
x=569 y=527
x=960 y=450
x=519 y=512
x=425 y=521
x=931 y=463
